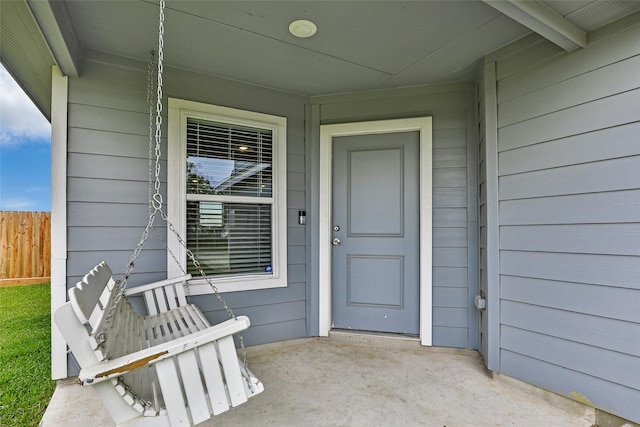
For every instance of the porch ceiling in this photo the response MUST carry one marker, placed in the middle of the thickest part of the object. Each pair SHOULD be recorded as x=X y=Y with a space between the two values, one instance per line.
x=360 y=45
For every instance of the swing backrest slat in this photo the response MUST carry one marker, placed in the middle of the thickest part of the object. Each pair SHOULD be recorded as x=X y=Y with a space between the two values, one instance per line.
x=89 y=297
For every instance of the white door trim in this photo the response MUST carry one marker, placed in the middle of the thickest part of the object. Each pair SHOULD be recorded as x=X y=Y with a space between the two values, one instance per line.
x=327 y=133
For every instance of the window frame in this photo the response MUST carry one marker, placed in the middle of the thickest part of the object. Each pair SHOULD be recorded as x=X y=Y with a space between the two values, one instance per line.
x=179 y=111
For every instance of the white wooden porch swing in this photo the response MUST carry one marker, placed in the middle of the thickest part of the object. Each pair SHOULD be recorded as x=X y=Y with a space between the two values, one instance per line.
x=169 y=367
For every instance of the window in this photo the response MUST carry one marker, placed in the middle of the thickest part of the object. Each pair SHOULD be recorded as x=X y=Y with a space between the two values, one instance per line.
x=227 y=193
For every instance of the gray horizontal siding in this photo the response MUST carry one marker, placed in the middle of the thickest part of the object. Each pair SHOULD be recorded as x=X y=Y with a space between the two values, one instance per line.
x=569 y=200
x=448 y=217
x=450 y=237
x=450 y=297
x=607 y=239
x=611 y=49
x=573 y=297
x=615 y=78
x=588 y=117
x=585 y=388
x=276 y=314
x=450 y=197
x=621 y=271
x=537 y=50
x=150 y=265
x=106 y=143
x=105 y=190
x=454 y=202
x=607 y=207
x=102 y=166
x=450 y=276
x=264 y=334
x=118 y=239
x=620 y=368
x=603 y=176
x=108 y=190
x=606 y=334
x=447 y=336
x=620 y=142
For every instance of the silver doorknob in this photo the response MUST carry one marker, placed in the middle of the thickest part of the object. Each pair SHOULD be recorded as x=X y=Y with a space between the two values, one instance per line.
x=336 y=241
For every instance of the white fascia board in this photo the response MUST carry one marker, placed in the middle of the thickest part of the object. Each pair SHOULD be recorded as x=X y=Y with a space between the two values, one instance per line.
x=544 y=21
x=55 y=23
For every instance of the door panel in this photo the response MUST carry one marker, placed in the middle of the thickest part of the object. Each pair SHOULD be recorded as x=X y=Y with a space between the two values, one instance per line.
x=376 y=271
x=375 y=281
x=375 y=191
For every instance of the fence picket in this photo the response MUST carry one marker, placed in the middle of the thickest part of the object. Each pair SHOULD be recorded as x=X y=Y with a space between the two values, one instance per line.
x=25 y=249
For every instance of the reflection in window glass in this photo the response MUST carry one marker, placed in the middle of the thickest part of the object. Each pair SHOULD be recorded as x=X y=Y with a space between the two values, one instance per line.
x=227 y=160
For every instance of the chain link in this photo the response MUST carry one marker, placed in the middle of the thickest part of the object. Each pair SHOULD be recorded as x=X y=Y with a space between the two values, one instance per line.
x=156 y=201
x=150 y=87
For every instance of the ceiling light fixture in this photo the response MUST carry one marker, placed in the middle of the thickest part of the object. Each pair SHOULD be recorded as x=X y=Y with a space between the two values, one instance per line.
x=302 y=28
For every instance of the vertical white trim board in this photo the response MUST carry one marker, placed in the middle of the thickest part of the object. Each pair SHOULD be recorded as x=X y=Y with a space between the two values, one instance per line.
x=493 y=229
x=59 y=97
x=327 y=133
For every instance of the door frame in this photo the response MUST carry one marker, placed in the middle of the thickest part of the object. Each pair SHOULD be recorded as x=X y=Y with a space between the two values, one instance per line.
x=327 y=133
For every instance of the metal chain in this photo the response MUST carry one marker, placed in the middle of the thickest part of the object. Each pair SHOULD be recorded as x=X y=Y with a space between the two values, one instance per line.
x=156 y=198
x=174 y=257
x=156 y=203
x=196 y=263
x=142 y=401
x=150 y=87
x=198 y=266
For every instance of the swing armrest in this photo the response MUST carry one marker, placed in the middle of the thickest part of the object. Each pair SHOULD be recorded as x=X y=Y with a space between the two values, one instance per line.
x=154 y=285
x=108 y=369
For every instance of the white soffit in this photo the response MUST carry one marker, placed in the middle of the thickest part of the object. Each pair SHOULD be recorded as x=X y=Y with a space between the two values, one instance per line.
x=25 y=54
x=54 y=20
x=544 y=21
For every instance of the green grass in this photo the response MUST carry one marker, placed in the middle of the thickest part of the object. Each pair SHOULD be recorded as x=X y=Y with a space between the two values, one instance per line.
x=25 y=354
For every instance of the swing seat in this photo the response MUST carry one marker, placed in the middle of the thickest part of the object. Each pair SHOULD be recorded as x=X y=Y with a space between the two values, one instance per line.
x=170 y=367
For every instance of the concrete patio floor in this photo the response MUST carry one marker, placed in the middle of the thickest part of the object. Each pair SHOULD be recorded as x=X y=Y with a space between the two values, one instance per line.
x=356 y=380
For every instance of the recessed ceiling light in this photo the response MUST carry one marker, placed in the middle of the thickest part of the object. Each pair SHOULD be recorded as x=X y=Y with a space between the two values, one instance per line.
x=302 y=28
x=243 y=148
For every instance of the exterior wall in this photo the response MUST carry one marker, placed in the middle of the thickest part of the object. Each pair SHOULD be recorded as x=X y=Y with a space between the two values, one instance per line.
x=569 y=216
x=108 y=190
x=107 y=162
x=454 y=196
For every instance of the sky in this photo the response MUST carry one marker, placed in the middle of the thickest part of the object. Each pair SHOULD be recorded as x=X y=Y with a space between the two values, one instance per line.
x=25 y=151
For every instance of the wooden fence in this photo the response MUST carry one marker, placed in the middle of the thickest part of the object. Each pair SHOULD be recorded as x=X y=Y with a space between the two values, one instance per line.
x=25 y=252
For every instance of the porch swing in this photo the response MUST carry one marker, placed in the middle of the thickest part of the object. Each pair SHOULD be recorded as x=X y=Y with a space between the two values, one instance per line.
x=170 y=367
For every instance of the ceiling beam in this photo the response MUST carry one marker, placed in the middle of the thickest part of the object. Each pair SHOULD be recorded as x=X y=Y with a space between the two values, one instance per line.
x=55 y=23
x=544 y=21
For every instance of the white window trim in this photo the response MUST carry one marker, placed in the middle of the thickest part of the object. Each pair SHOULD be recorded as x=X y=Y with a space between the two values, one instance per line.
x=179 y=110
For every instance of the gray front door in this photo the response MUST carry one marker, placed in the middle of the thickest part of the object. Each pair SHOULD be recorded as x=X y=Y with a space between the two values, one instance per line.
x=376 y=232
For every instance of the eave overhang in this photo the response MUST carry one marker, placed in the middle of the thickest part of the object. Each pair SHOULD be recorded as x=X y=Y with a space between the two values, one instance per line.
x=37 y=35
x=544 y=21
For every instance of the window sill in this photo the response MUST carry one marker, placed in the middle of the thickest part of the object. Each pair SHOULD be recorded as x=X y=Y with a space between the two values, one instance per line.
x=199 y=286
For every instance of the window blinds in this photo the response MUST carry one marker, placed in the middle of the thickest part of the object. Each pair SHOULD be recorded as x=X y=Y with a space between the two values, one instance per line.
x=229 y=197
x=227 y=160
